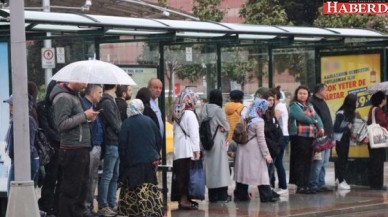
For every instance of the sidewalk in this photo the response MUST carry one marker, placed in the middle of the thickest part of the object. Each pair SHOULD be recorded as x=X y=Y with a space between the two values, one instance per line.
x=335 y=203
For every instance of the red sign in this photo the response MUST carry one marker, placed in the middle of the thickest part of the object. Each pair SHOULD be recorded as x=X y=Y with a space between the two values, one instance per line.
x=177 y=88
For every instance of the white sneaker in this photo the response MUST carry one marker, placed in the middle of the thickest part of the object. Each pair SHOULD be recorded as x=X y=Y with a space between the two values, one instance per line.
x=282 y=191
x=343 y=186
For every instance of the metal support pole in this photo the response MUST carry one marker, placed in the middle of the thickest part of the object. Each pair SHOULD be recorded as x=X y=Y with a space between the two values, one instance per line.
x=22 y=189
x=219 y=69
x=48 y=73
x=162 y=108
x=270 y=68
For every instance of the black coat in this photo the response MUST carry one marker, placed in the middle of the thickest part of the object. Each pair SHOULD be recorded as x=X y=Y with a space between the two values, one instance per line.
x=323 y=111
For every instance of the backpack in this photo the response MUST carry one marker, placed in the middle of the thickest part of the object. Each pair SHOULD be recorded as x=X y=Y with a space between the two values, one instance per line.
x=240 y=133
x=43 y=147
x=205 y=134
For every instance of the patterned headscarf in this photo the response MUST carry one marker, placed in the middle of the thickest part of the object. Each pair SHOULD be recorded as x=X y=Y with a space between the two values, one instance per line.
x=135 y=107
x=257 y=109
x=185 y=101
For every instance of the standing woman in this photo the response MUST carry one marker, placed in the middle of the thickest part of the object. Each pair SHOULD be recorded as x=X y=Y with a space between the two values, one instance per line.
x=139 y=157
x=305 y=126
x=377 y=155
x=216 y=160
x=186 y=145
x=344 y=120
x=252 y=158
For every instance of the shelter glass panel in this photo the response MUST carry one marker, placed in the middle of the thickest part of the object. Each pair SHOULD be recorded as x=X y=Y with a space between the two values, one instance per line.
x=244 y=68
x=293 y=67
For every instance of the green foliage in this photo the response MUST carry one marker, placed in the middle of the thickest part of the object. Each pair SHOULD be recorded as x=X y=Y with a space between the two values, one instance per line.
x=301 y=12
x=163 y=2
x=265 y=12
x=208 y=10
x=375 y=22
x=190 y=71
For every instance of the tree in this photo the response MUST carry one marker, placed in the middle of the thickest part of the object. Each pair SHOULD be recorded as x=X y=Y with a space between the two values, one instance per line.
x=375 y=22
x=208 y=10
x=265 y=12
x=301 y=12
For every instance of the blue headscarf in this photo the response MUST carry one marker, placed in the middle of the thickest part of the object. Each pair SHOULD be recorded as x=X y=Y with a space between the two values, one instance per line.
x=257 y=109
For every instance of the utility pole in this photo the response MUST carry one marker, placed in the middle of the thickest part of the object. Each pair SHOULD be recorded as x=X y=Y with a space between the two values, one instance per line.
x=22 y=191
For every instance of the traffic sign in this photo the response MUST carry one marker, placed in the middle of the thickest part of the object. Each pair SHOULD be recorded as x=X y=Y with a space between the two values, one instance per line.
x=60 y=55
x=48 y=58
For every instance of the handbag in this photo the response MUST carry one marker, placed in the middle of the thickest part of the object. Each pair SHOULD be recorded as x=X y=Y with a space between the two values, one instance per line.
x=197 y=181
x=377 y=135
x=323 y=143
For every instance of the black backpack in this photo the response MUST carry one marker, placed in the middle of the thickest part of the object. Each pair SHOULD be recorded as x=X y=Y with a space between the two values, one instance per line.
x=45 y=151
x=205 y=134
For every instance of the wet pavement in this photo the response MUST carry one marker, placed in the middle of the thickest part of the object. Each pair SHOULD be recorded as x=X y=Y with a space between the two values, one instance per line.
x=359 y=201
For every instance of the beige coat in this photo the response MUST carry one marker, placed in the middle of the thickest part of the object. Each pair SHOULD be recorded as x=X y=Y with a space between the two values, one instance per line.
x=250 y=165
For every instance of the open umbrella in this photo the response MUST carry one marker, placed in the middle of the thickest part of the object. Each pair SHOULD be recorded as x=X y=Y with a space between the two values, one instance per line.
x=93 y=72
x=382 y=86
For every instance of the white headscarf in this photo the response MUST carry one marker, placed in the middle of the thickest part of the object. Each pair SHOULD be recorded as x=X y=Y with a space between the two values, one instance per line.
x=135 y=107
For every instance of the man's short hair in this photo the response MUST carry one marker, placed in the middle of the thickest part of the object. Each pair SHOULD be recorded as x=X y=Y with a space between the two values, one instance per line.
x=121 y=89
x=109 y=86
x=91 y=87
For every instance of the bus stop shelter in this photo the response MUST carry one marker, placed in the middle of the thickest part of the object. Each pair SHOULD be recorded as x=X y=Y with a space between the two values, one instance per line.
x=210 y=47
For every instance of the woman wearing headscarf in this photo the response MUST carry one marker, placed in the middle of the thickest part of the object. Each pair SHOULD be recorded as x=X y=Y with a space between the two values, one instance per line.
x=216 y=159
x=252 y=158
x=305 y=125
x=377 y=155
x=186 y=145
x=139 y=157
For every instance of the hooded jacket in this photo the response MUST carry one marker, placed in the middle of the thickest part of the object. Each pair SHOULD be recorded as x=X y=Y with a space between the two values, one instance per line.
x=70 y=118
x=233 y=115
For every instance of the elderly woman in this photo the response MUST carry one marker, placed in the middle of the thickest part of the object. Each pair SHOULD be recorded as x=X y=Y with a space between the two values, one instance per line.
x=377 y=155
x=186 y=145
x=252 y=158
x=139 y=157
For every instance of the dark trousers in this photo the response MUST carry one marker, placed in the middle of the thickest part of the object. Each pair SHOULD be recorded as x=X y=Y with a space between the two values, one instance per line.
x=241 y=192
x=280 y=166
x=300 y=162
x=342 y=149
x=75 y=175
x=376 y=167
x=218 y=194
x=182 y=169
x=48 y=201
x=265 y=192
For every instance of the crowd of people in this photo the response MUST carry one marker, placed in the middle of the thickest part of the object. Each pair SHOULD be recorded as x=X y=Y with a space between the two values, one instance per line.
x=104 y=123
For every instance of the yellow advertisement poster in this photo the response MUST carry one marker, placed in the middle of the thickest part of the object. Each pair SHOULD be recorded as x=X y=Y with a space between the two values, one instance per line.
x=351 y=74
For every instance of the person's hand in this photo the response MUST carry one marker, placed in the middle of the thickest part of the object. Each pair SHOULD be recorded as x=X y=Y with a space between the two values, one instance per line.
x=91 y=115
x=222 y=129
x=321 y=132
x=268 y=158
x=350 y=125
x=197 y=155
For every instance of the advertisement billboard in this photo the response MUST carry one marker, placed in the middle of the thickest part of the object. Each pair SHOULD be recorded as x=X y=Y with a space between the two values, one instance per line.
x=351 y=74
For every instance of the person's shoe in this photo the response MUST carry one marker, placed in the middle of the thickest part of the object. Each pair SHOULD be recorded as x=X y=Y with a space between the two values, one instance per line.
x=324 y=189
x=282 y=191
x=275 y=195
x=343 y=186
x=114 y=209
x=106 y=212
x=269 y=200
x=192 y=206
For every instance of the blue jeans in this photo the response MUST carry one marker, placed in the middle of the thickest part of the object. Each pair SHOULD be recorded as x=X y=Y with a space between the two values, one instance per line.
x=318 y=171
x=34 y=171
x=107 y=188
x=279 y=165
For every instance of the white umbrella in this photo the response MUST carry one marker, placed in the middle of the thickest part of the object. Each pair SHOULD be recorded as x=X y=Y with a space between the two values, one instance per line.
x=382 y=86
x=93 y=72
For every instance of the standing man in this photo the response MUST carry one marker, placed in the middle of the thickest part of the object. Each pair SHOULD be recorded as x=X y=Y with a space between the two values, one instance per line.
x=107 y=188
x=93 y=94
x=318 y=171
x=72 y=124
x=155 y=86
x=123 y=93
